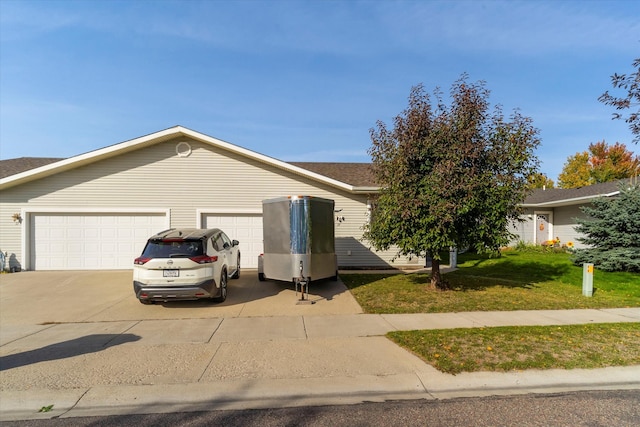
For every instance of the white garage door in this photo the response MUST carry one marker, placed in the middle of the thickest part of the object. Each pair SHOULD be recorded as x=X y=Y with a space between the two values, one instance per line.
x=81 y=241
x=246 y=228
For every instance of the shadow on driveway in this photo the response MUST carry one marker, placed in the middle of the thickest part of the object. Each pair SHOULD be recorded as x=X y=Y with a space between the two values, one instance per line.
x=249 y=289
x=66 y=349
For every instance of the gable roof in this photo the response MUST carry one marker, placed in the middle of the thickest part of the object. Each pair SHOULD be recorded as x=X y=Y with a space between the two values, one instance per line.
x=15 y=166
x=356 y=174
x=353 y=177
x=25 y=169
x=555 y=197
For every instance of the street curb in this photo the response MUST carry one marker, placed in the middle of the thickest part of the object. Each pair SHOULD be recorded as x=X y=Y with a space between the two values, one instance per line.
x=280 y=393
x=481 y=384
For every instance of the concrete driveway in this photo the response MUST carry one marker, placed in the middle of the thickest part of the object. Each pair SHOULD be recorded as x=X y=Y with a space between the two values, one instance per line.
x=68 y=337
x=82 y=342
x=37 y=298
x=76 y=330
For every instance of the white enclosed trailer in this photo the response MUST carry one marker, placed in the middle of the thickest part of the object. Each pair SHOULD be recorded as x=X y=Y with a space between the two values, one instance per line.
x=299 y=240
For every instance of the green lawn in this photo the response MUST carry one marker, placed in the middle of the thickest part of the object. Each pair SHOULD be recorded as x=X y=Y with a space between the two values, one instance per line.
x=525 y=347
x=514 y=281
x=525 y=280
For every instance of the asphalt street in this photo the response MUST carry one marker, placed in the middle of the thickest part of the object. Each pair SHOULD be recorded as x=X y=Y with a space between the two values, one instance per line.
x=575 y=409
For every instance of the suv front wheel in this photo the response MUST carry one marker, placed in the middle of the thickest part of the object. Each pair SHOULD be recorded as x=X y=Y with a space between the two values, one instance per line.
x=223 y=287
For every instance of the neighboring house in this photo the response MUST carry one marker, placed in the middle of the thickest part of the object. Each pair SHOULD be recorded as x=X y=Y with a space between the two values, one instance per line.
x=551 y=213
x=96 y=210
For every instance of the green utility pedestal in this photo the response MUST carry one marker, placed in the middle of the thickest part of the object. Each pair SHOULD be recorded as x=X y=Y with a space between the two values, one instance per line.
x=587 y=279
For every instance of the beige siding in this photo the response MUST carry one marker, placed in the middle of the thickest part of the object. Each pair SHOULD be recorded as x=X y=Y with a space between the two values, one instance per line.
x=210 y=179
x=10 y=233
x=524 y=229
x=564 y=219
x=564 y=223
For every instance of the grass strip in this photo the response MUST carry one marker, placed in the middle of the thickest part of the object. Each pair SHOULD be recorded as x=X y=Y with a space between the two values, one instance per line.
x=514 y=281
x=525 y=347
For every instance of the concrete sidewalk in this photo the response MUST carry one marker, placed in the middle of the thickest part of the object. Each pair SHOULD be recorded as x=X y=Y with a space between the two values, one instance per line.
x=86 y=346
x=160 y=365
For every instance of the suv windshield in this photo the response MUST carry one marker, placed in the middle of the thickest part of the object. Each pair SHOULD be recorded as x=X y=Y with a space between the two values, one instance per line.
x=173 y=249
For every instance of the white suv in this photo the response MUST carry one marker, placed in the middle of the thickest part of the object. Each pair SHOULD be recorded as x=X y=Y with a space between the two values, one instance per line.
x=186 y=264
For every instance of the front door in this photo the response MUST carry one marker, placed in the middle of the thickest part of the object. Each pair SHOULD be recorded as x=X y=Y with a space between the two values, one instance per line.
x=542 y=228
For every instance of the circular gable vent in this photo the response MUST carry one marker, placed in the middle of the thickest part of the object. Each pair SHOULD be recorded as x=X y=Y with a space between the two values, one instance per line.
x=183 y=149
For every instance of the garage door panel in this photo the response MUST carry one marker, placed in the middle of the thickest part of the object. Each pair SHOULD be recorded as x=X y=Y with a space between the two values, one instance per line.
x=57 y=233
x=58 y=248
x=226 y=221
x=80 y=241
x=144 y=234
x=92 y=233
x=92 y=247
x=94 y=221
x=56 y=220
x=246 y=228
x=107 y=220
x=243 y=233
x=74 y=247
x=140 y=221
x=123 y=231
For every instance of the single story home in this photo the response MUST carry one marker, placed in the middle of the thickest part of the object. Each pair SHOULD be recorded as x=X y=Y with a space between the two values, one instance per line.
x=96 y=210
x=550 y=214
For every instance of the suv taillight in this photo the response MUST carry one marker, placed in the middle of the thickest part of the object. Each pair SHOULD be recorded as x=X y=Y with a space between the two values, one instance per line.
x=141 y=260
x=204 y=259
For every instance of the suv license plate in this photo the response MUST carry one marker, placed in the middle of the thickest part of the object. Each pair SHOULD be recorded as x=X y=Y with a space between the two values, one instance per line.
x=170 y=273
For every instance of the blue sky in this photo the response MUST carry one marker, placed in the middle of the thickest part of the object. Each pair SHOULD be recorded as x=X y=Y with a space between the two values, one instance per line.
x=301 y=80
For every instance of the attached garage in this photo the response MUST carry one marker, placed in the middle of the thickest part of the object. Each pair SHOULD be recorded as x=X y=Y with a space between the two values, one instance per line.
x=244 y=227
x=89 y=241
x=95 y=210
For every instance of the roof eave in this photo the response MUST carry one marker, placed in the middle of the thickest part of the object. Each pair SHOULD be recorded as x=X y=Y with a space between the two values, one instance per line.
x=568 y=202
x=366 y=190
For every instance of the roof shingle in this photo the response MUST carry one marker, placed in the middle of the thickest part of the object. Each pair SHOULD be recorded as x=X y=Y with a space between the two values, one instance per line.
x=356 y=174
x=22 y=164
x=540 y=196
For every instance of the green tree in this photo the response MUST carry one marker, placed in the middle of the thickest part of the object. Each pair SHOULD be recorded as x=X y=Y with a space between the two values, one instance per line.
x=602 y=163
x=540 y=180
x=612 y=232
x=450 y=175
x=630 y=100
x=576 y=171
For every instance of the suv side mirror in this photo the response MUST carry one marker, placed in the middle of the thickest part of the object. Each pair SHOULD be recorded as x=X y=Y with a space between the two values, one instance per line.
x=235 y=242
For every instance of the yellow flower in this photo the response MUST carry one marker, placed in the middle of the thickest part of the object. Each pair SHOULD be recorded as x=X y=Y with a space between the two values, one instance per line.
x=489 y=348
x=569 y=244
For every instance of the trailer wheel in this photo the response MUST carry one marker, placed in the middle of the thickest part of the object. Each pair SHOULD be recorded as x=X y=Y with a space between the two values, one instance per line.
x=261 y=277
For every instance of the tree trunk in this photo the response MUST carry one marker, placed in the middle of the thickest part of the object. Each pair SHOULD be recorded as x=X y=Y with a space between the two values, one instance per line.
x=436 y=278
